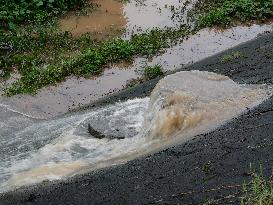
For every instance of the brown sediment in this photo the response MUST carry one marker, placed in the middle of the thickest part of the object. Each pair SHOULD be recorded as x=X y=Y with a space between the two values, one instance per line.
x=187 y=101
x=106 y=20
x=53 y=170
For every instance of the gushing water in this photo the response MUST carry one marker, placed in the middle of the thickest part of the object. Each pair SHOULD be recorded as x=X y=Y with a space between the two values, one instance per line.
x=181 y=106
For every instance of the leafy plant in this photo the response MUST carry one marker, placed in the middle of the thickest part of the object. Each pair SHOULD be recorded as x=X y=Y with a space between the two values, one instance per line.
x=90 y=61
x=259 y=191
x=14 y=12
x=224 y=12
x=230 y=57
x=151 y=72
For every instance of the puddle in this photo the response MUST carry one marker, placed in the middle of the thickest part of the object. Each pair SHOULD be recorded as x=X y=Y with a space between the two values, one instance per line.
x=206 y=43
x=181 y=106
x=112 y=17
x=145 y=15
x=106 y=20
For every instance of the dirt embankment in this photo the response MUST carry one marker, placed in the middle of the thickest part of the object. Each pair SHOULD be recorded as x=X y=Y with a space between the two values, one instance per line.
x=209 y=168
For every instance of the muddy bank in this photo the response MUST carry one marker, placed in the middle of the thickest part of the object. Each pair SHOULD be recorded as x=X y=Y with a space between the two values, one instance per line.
x=209 y=167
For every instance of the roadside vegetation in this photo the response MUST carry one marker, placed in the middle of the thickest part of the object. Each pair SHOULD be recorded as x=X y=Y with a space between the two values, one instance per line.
x=258 y=192
x=151 y=72
x=32 y=47
x=230 y=57
x=227 y=12
x=35 y=73
x=14 y=13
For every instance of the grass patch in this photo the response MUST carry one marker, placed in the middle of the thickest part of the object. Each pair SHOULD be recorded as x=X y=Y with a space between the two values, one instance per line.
x=225 y=12
x=36 y=47
x=13 y=12
x=258 y=192
x=151 y=72
x=230 y=57
x=37 y=72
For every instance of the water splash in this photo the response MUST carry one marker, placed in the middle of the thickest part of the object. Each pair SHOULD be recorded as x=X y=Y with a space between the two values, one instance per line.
x=181 y=106
x=190 y=103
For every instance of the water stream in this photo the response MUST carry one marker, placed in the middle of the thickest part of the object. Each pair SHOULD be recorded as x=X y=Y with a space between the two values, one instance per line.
x=181 y=106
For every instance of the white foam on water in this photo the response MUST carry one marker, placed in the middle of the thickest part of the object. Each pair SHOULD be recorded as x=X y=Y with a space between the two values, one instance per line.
x=181 y=106
x=8 y=108
x=69 y=148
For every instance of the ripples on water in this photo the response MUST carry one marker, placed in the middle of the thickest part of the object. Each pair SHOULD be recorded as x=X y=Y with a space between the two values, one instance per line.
x=181 y=106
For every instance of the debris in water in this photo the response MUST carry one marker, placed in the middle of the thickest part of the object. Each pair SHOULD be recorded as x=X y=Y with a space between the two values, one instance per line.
x=95 y=133
x=99 y=135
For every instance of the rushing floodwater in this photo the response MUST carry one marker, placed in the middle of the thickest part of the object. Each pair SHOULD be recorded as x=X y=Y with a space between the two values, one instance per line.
x=181 y=106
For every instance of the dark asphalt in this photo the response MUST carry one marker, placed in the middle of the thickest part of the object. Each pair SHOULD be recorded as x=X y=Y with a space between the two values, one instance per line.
x=209 y=168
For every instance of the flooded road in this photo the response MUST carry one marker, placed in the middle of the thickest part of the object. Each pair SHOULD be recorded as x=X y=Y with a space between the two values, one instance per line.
x=181 y=106
x=38 y=145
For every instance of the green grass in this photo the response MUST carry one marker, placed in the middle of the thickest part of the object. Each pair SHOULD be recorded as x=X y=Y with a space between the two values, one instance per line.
x=13 y=12
x=37 y=47
x=90 y=61
x=258 y=192
x=230 y=57
x=151 y=72
x=225 y=12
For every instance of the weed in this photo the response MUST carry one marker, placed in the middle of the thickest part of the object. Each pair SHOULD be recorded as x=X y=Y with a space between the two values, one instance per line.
x=224 y=12
x=151 y=72
x=260 y=191
x=230 y=57
x=207 y=167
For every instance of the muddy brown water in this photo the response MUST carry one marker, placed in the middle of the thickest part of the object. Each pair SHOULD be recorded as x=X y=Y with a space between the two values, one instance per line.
x=106 y=18
x=182 y=105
